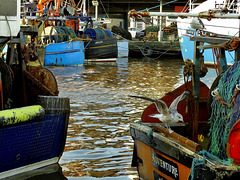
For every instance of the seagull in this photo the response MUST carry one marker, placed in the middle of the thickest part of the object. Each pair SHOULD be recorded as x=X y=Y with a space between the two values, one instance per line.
x=166 y=115
x=197 y=23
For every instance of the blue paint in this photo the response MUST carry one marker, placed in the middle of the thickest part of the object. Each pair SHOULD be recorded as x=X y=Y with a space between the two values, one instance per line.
x=65 y=54
x=187 y=50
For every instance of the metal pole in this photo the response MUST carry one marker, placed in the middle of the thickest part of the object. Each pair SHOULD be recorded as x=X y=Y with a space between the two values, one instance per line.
x=96 y=12
x=196 y=89
x=160 y=26
x=200 y=15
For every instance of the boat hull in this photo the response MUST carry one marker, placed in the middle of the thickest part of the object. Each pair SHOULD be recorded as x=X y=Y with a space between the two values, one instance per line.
x=36 y=142
x=187 y=47
x=154 y=156
x=157 y=156
x=64 y=54
x=101 y=49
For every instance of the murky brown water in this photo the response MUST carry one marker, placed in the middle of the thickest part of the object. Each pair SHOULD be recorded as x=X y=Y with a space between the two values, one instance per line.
x=99 y=144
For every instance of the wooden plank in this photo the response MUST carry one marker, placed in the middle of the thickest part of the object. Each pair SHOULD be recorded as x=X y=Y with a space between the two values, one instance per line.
x=181 y=139
x=210 y=40
x=210 y=46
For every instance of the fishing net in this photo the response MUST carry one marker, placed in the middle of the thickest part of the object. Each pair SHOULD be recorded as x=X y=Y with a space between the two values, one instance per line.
x=69 y=32
x=100 y=34
x=223 y=117
x=224 y=114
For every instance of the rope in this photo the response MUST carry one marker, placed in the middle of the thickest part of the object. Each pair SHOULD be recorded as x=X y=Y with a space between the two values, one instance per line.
x=200 y=164
x=232 y=44
x=140 y=48
x=220 y=99
x=10 y=32
x=6 y=18
x=215 y=52
x=187 y=71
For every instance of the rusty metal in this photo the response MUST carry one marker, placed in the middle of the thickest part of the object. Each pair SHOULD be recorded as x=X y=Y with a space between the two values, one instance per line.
x=43 y=79
x=205 y=15
x=232 y=45
x=133 y=13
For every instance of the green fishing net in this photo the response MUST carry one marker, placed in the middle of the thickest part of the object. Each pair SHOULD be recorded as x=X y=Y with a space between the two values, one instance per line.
x=223 y=117
x=221 y=121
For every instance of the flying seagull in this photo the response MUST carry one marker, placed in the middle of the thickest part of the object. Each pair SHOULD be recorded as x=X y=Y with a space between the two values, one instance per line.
x=166 y=115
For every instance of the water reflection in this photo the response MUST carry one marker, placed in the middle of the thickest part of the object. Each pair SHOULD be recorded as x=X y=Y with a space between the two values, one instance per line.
x=98 y=142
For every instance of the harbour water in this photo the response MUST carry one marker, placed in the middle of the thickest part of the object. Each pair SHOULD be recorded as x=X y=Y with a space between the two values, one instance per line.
x=99 y=144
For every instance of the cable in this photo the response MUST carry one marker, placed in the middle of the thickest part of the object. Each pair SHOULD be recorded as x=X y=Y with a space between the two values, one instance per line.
x=104 y=9
x=157 y=6
x=7 y=21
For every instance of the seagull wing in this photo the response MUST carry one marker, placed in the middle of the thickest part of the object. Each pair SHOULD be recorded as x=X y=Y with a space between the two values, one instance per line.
x=161 y=105
x=174 y=104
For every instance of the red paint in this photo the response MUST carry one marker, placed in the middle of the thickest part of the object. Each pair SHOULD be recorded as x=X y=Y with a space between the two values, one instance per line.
x=185 y=35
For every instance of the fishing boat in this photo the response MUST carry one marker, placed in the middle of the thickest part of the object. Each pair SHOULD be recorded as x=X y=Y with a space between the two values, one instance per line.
x=61 y=36
x=33 y=118
x=57 y=43
x=102 y=47
x=218 y=27
x=59 y=46
x=206 y=145
x=208 y=19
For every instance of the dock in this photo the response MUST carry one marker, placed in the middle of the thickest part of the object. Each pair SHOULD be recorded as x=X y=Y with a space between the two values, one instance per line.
x=154 y=48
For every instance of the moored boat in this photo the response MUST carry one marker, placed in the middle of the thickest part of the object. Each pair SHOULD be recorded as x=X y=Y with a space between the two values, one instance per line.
x=33 y=118
x=206 y=145
x=103 y=45
x=216 y=27
x=93 y=44
x=207 y=19
x=59 y=46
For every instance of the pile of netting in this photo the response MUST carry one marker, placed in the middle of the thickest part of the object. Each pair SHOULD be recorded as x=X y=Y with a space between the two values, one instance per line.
x=225 y=112
x=223 y=116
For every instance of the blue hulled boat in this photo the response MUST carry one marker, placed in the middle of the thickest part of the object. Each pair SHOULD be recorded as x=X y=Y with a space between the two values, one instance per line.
x=33 y=118
x=64 y=54
x=209 y=27
x=34 y=136
x=187 y=49
x=61 y=40
x=59 y=46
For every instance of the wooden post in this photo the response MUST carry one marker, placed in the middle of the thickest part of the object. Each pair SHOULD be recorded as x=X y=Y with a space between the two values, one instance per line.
x=10 y=54
x=21 y=67
x=196 y=89
x=237 y=51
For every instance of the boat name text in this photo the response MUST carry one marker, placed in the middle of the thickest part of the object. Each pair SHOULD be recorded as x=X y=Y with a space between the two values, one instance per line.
x=166 y=166
x=99 y=42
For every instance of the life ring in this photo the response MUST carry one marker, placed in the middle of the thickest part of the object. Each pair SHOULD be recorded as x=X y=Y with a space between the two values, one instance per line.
x=147 y=50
